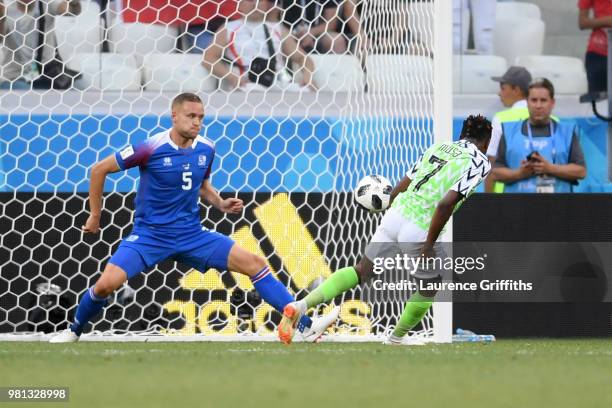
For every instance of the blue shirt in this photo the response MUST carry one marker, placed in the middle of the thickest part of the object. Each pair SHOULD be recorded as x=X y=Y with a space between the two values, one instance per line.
x=170 y=179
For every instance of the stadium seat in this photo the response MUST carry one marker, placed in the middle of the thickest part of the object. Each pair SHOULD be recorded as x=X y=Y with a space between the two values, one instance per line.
x=518 y=9
x=337 y=73
x=399 y=73
x=140 y=39
x=79 y=34
x=177 y=72
x=518 y=36
x=472 y=73
x=107 y=72
x=566 y=73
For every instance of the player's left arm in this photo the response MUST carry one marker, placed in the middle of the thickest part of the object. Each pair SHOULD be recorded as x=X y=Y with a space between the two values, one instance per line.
x=229 y=205
x=478 y=170
x=443 y=212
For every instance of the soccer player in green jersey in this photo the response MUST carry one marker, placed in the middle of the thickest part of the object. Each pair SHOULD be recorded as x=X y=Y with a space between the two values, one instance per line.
x=421 y=204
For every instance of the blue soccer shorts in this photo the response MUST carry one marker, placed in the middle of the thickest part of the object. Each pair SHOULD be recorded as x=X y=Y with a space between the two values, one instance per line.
x=198 y=248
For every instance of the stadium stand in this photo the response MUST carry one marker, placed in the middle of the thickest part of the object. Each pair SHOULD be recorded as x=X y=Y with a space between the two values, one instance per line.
x=384 y=72
x=519 y=9
x=567 y=73
x=516 y=36
x=337 y=73
x=176 y=72
x=140 y=39
x=472 y=73
x=106 y=71
x=80 y=34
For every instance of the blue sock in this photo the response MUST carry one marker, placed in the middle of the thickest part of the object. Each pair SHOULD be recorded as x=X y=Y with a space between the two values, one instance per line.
x=89 y=306
x=276 y=294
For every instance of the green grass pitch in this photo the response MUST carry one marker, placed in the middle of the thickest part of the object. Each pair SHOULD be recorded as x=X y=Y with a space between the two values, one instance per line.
x=511 y=373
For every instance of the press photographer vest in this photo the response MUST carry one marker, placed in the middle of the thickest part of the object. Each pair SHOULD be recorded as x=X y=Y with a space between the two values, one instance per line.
x=518 y=146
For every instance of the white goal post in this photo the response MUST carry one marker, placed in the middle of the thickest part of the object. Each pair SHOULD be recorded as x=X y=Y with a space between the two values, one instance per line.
x=292 y=153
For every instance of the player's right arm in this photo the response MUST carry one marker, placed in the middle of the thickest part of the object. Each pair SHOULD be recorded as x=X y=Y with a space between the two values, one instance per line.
x=400 y=188
x=96 y=186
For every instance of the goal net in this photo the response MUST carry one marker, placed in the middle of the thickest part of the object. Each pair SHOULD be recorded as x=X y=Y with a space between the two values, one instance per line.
x=355 y=91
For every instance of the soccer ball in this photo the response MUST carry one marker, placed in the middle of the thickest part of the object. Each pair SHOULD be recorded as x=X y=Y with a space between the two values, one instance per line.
x=373 y=193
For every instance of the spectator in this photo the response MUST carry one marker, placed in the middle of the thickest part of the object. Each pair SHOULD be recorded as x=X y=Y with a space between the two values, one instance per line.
x=596 y=59
x=513 y=86
x=483 y=23
x=380 y=27
x=19 y=36
x=539 y=155
x=311 y=22
x=258 y=50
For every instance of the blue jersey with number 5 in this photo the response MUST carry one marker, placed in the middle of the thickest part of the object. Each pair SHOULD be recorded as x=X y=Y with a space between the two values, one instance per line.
x=170 y=179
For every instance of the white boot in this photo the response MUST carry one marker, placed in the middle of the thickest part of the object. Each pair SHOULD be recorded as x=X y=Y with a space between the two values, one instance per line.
x=313 y=333
x=65 y=336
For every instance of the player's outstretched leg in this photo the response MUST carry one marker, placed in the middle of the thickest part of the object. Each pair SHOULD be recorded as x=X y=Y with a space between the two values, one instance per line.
x=273 y=291
x=337 y=283
x=414 y=311
x=92 y=302
x=416 y=307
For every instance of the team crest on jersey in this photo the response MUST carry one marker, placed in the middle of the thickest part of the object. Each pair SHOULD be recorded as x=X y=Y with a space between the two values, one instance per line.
x=167 y=161
x=186 y=166
x=202 y=160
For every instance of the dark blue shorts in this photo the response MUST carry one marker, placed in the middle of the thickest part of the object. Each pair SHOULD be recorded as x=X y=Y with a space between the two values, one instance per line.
x=198 y=248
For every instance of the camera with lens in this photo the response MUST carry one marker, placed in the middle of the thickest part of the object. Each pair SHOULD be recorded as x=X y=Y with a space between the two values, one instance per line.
x=263 y=71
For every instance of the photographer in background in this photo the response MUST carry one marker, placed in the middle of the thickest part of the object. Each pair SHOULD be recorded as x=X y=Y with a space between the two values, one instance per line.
x=20 y=37
x=253 y=52
x=539 y=155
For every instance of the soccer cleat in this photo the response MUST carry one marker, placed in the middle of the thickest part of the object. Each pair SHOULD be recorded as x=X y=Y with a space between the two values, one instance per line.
x=314 y=333
x=286 y=327
x=393 y=340
x=65 y=336
x=403 y=341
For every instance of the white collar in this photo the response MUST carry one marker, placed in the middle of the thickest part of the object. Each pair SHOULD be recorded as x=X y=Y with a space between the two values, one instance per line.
x=520 y=104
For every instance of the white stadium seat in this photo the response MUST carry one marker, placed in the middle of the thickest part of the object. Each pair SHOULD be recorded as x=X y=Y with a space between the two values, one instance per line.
x=107 y=72
x=399 y=73
x=567 y=74
x=79 y=34
x=518 y=36
x=337 y=73
x=518 y=9
x=472 y=73
x=177 y=72
x=140 y=39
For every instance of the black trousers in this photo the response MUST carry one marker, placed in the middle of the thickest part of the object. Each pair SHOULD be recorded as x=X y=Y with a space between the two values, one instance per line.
x=597 y=72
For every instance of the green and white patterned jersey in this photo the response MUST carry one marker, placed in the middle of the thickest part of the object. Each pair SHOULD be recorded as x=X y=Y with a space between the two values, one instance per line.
x=457 y=166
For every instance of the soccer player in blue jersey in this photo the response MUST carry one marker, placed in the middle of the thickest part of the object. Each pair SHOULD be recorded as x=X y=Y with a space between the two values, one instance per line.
x=174 y=174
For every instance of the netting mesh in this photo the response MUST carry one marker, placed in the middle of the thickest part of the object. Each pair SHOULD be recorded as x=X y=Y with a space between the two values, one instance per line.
x=328 y=92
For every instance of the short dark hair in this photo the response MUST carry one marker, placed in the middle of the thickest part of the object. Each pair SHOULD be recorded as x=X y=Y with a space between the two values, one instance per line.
x=477 y=128
x=186 y=97
x=542 y=83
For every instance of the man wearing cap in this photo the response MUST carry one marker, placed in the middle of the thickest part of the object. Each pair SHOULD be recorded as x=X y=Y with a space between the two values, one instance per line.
x=513 y=95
